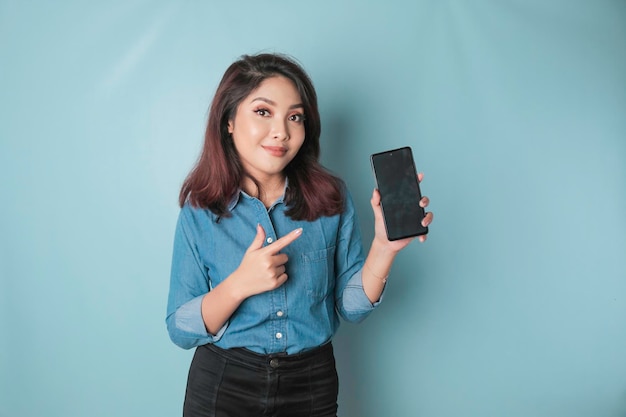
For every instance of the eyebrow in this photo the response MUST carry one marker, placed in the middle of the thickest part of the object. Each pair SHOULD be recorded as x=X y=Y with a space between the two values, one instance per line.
x=273 y=103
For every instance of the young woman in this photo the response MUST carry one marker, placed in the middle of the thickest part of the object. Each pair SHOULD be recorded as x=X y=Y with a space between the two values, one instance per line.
x=267 y=252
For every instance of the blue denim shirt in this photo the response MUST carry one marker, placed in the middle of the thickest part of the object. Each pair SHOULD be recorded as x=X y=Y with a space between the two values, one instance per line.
x=324 y=271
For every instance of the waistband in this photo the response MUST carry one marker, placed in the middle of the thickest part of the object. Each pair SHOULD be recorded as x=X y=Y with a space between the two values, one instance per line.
x=281 y=360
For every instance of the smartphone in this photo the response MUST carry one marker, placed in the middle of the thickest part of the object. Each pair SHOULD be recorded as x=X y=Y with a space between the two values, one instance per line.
x=397 y=183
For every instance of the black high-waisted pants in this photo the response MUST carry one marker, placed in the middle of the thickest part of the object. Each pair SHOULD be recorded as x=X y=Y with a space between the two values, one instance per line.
x=241 y=383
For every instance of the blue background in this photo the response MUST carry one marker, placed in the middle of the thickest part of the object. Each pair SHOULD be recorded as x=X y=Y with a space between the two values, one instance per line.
x=515 y=110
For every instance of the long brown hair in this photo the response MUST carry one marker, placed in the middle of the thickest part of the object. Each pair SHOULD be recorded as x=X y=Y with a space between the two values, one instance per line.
x=217 y=176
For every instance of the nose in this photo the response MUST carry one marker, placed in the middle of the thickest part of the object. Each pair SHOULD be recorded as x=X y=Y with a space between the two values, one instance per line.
x=280 y=130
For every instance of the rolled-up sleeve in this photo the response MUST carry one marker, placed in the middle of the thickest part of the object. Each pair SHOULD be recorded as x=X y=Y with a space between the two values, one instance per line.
x=189 y=282
x=351 y=301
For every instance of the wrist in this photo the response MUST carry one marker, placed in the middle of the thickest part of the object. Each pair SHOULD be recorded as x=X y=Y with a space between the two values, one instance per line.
x=233 y=289
x=383 y=249
x=381 y=278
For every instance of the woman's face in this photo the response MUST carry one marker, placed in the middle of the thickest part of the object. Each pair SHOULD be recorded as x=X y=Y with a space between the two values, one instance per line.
x=268 y=128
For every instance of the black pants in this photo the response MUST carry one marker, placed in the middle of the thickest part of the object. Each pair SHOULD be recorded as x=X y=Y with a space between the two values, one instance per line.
x=241 y=383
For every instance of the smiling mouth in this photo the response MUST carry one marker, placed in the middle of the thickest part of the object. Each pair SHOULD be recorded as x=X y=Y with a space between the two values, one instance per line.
x=275 y=150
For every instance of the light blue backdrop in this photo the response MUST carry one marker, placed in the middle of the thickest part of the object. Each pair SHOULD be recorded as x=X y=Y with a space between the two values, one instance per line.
x=516 y=111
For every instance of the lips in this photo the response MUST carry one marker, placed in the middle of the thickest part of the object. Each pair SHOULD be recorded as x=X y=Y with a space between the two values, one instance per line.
x=275 y=150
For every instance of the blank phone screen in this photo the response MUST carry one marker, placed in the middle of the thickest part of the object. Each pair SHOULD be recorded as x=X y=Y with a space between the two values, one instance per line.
x=397 y=182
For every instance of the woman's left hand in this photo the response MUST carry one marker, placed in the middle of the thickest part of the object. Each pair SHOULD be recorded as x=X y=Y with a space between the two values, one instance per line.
x=380 y=234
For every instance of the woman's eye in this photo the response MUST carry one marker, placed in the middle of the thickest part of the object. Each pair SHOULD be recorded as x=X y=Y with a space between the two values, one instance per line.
x=262 y=112
x=297 y=118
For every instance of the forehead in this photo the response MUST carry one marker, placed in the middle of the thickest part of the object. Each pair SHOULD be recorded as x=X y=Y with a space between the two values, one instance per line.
x=278 y=89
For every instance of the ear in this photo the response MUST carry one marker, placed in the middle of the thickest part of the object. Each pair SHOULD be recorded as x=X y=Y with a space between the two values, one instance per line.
x=231 y=126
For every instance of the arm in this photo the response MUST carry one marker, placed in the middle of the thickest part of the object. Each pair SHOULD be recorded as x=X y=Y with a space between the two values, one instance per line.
x=189 y=282
x=197 y=314
x=383 y=252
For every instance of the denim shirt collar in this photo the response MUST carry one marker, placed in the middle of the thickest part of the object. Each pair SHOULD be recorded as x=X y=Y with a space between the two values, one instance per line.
x=235 y=200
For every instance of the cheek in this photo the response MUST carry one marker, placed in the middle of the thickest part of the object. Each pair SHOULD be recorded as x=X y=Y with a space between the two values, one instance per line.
x=247 y=134
x=251 y=128
x=297 y=135
x=296 y=148
x=247 y=128
x=300 y=140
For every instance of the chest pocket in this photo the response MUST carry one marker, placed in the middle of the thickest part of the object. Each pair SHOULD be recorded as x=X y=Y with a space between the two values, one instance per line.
x=319 y=269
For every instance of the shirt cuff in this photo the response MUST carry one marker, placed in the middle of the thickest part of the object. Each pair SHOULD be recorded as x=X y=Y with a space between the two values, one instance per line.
x=189 y=319
x=355 y=300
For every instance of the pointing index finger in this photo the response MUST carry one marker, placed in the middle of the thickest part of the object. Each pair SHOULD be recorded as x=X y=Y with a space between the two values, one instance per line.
x=284 y=241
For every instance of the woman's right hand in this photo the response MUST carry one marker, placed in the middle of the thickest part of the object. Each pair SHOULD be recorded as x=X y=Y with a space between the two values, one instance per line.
x=263 y=268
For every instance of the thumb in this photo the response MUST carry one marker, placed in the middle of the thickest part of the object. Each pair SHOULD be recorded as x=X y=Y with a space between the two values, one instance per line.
x=257 y=243
x=375 y=202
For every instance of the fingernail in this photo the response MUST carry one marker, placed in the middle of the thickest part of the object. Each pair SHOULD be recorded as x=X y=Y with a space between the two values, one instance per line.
x=297 y=231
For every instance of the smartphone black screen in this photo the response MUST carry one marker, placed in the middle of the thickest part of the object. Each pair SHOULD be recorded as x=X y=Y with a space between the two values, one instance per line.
x=396 y=179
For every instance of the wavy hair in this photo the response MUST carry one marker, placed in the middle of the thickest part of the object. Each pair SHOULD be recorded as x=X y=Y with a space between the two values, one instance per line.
x=218 y=173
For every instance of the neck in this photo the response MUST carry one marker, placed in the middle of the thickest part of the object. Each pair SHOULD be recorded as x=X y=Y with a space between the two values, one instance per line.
x=268 y=190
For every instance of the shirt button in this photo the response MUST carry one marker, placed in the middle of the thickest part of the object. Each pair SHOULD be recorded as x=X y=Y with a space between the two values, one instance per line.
x=279 y=313
x=279 y=335
x=270 y=240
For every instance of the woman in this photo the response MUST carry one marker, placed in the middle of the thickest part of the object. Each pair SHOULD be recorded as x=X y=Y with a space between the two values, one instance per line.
x=267 y=252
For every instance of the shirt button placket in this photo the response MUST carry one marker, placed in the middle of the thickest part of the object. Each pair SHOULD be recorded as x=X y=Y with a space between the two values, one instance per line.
x=279 y=330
